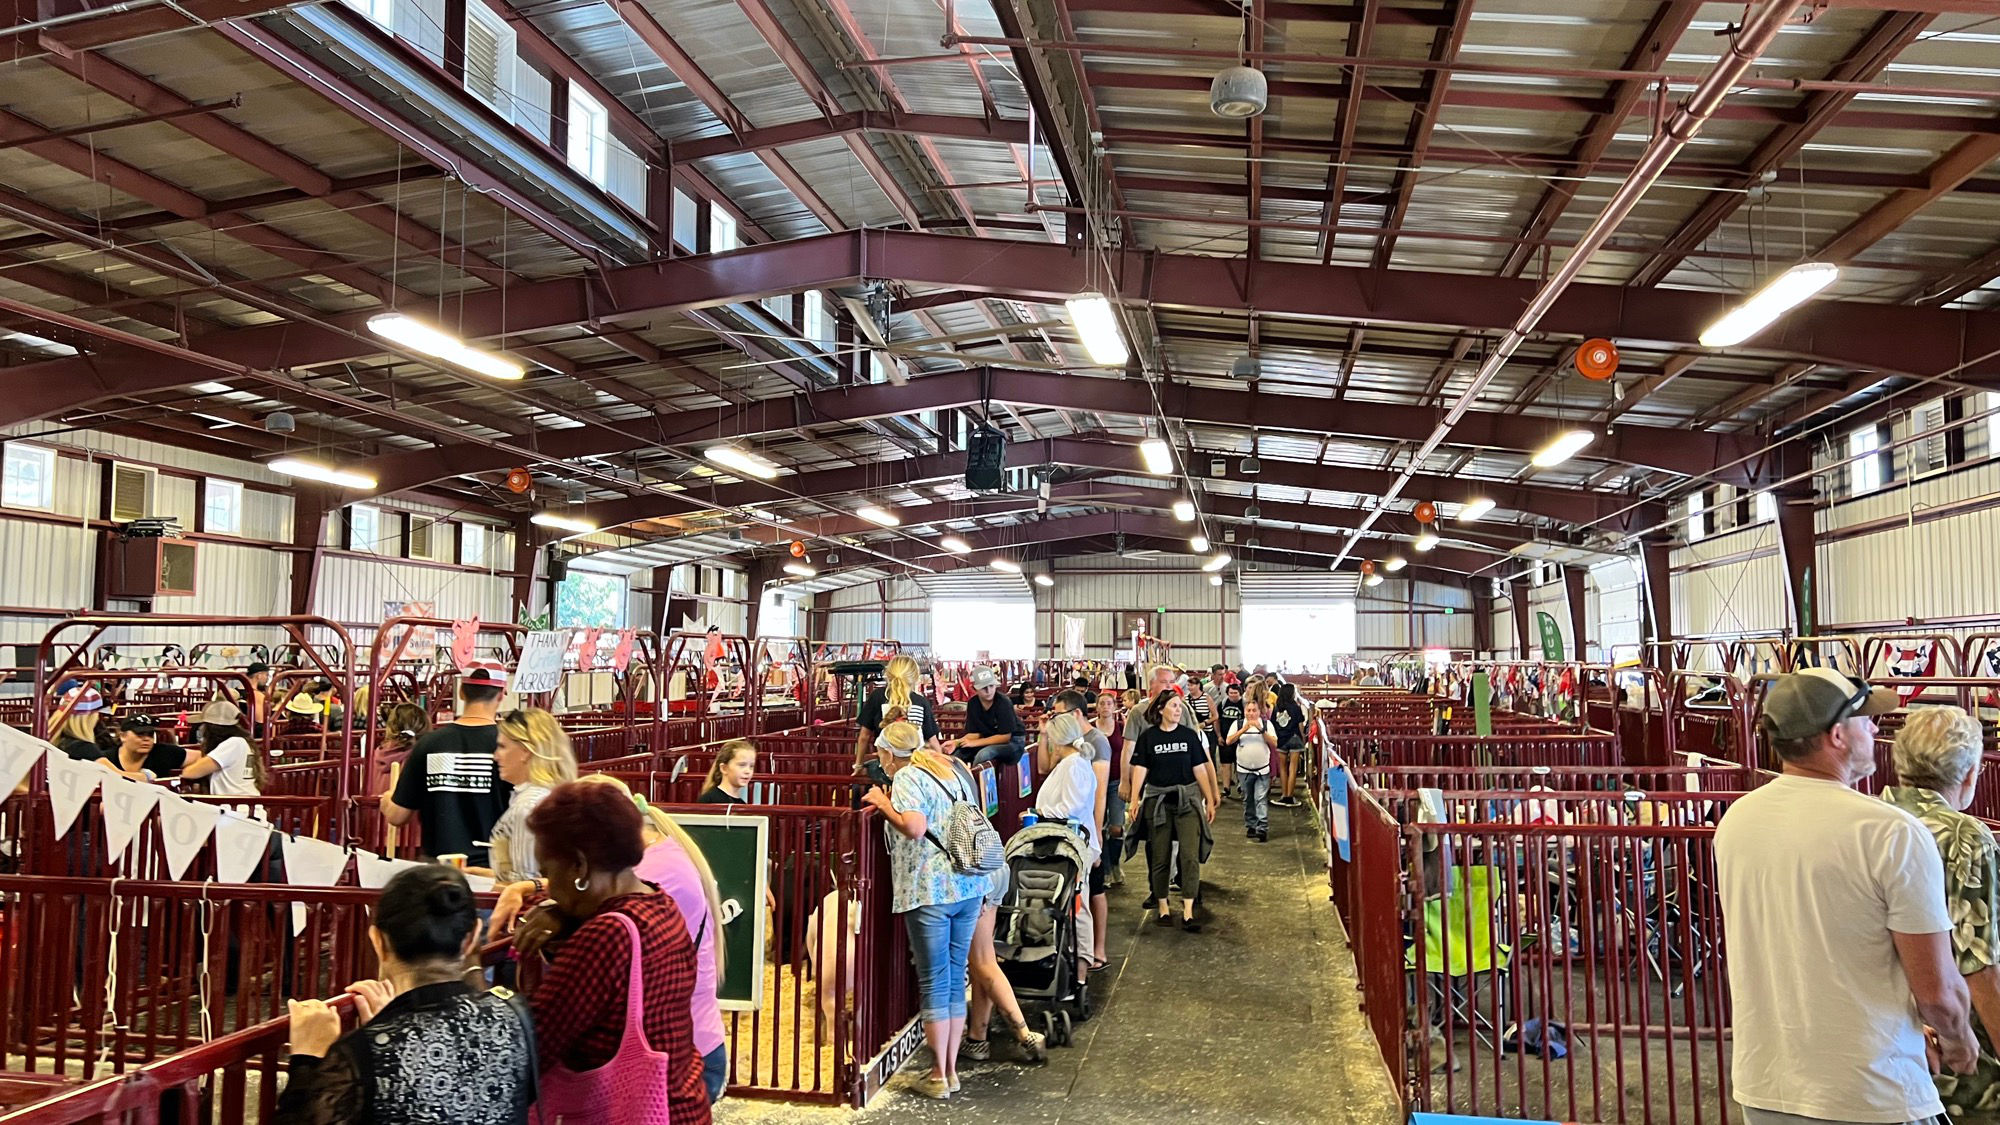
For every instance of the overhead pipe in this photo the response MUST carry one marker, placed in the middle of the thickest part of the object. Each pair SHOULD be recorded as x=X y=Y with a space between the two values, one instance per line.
x=1761 y=25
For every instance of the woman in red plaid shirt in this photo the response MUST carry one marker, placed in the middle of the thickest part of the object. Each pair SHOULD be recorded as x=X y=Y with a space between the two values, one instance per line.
x=587 y=840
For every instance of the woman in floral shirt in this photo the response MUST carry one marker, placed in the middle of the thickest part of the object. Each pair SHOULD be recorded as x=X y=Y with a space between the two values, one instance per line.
x=1937 y=765
x=939 y=906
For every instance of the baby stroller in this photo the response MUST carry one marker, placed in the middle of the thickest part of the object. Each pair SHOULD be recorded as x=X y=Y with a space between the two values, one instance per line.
x=1035 y=936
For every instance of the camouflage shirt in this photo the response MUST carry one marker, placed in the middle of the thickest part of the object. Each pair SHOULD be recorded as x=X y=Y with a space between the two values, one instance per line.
x=1972 y=896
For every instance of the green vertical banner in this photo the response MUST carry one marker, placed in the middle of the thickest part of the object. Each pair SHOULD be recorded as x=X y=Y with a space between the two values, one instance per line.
x=1552 y=637
x=1482 y=704
x=737 y=849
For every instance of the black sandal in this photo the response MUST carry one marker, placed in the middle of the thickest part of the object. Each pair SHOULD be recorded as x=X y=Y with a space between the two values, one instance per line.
x=1191 y=926
x=1164 y=920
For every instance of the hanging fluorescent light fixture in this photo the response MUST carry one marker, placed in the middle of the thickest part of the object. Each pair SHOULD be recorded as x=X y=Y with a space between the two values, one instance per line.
x=417 y=336
x=1220 y=560
x=1474 y=510
x=1215 y=579
x=1007 y=565
x=562 y=523
x=1096 y=324
x=326 y=474
x=1372 y=580
x=1424 y=541
x=1394 y=563
x=1158 y=457
x=1044 y=580
x=876 y=515
x=1184 y=510
x=955 y=545
x=800 y=570
x=741 y=461
x=1566 y=445
x=1779 y=296
x=1198 y=544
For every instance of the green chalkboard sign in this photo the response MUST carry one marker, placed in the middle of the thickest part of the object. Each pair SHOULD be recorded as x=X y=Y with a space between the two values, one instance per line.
x=738 y=851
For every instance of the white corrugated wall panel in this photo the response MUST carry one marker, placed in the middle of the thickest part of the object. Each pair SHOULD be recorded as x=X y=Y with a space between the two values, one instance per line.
x=352 y=591
x=231 y=581
x=1194 y=622
x=1615 y=614
x=1741 y=594
x=1505 y=640
x=855 y=613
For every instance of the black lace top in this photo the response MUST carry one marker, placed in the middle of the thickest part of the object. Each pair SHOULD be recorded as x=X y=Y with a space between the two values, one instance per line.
x=438 y=1054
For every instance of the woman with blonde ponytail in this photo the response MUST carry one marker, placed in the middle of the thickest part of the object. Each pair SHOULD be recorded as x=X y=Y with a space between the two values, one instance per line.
x=896 y=700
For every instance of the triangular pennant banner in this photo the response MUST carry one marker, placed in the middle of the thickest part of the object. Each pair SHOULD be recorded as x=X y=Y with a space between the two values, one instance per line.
x=311 y=863
x=240 y=847
x=126 y=805
x=375 y=872
x=70 y=785
x=184 y=827
x=19 y=751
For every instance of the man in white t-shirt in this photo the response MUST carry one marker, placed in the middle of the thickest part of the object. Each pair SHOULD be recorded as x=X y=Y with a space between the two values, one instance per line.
x=1839 y=943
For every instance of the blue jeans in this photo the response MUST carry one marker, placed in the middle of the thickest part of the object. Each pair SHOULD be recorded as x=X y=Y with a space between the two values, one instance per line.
x=715 y=1072
x=1256 y=800
x=940 y=941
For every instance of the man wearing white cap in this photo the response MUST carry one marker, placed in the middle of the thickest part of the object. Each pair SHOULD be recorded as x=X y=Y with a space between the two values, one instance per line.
x=992 y=730
x=450 y=783
x=1839 y=943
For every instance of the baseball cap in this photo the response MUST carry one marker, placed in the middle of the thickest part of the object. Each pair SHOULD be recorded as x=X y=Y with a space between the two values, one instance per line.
x=484 y=672
x=222 y=713
x=140 y=724
x=983 y=678
x=83 y=700
x=1811 y=701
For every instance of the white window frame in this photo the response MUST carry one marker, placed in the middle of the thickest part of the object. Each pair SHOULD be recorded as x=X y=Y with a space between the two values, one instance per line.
x=43 y=498
x=722 y=233
x=364 y=528
x=817 y=320
x=380 y=12
x=1767 y=507
x=1864 y=474
x=589 y=148
x=230 y=508
x=687 y=222
x=1697 y=516
x=474 y=542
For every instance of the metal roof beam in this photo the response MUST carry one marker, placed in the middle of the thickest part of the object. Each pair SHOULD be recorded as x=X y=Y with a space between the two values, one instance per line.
x=1423 y=123
x=1950 y=170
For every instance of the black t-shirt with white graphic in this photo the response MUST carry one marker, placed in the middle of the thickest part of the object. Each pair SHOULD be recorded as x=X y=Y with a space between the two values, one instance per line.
x=1232 y=713
x=1290 y=720
x=1169 y=757
x=923 y=712
x=452 y=783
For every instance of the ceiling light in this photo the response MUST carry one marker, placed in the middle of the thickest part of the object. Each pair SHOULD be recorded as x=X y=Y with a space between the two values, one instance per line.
x=1565 y=446
x=417 y=336
x=741 y=461
x=1097 y=326
x=1424 y=541
x=799 y=570
x=1158 y=457
x=41 y=342
x=1184 y=510
x=1198 y=544
x=1008 y=565
x=1215 y=579
x=1372 y=580
x=1220 y=560
x=312 y=470
x=1779 y=296
x=1394 y=563
x=873 y=514
x=1044 y=580
x=212 y=388
x=1475 y=509
x=1238 y=92
x=954 y=544
x=562 y=523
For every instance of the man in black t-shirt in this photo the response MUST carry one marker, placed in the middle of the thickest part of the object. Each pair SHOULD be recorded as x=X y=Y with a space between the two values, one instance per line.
x=1228 y=717
x=992 y=730
x=450 y=783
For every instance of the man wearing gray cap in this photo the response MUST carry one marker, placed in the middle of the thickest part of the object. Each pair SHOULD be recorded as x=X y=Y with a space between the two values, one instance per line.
x=992 y=730
x=1838 y=940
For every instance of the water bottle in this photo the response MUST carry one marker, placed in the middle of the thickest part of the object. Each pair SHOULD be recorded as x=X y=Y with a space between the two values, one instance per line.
x=1029 y=820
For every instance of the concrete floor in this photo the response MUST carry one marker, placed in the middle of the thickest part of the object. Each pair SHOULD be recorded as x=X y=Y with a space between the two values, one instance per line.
x=1255 y=1018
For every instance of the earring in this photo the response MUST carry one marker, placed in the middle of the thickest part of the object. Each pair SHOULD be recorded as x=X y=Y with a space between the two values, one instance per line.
x=582 y=884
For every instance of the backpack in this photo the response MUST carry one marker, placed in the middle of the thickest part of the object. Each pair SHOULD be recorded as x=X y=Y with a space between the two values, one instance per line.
x=970 y=841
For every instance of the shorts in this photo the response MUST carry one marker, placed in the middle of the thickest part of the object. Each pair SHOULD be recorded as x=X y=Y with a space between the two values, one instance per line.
x=1097 y=873
x=1225 y=753
x=999 y=883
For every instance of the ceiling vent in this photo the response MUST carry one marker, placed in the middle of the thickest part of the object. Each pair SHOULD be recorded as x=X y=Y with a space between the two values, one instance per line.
x=1239 y=92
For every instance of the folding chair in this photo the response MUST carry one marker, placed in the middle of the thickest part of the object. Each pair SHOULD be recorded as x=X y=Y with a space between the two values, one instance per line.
x=1461 y=941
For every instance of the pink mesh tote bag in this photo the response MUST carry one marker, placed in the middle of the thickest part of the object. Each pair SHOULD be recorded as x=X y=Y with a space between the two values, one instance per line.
x=631 y=1089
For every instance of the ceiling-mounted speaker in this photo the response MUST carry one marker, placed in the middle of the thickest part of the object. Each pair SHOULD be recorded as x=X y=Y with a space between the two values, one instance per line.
x=1251 y=466
x=1597 y=360
x=1239 y=92
x=985 y=459
x=1218 y=467
x=280 y=422
x=1229 y=535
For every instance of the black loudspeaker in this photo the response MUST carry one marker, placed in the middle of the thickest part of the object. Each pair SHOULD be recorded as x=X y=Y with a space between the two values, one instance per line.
x=985 y=456
x=558 y=564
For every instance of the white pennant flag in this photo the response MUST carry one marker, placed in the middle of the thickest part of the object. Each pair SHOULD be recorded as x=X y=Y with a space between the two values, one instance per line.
x=310 y=863
x=19 y=751
x=126 y=805
x=375 y=871
x=240 y=847
x=70 y=785
x=184 y=827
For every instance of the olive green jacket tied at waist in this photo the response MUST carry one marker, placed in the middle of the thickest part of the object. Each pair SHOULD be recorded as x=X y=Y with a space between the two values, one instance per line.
x=1156 y=815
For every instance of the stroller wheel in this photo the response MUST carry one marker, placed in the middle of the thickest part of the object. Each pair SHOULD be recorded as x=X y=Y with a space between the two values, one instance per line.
x=1049 y=1027
x=1068 y=1035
